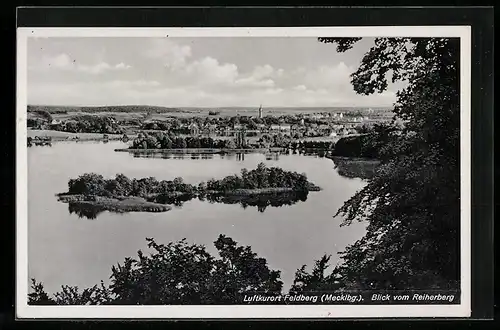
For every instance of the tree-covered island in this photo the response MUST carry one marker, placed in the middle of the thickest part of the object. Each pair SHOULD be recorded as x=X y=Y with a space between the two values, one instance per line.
x=122 y=194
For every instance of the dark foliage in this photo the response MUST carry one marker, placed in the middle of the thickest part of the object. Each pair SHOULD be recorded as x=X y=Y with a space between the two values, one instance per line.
x=368 y=145
x=263 y=201
x=260 y=178
x=167 y=190
x=90 y=124
x=175 y=273
x=160 y=140
x=412 y=203
x=325 y=145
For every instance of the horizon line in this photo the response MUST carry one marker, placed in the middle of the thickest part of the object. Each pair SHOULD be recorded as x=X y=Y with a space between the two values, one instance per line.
x=205 y=107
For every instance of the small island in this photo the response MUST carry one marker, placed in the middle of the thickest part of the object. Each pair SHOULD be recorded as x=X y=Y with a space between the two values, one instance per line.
x=123 y=194
x=117 y=204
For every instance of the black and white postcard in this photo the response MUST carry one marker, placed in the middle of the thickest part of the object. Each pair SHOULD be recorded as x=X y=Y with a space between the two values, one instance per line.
x=318 y=172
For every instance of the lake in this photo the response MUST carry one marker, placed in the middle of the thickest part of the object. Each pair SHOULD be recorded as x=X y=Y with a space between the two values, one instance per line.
x=64 y=248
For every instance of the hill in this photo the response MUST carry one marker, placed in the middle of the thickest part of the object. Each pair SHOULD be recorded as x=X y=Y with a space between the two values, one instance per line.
x=113 y=108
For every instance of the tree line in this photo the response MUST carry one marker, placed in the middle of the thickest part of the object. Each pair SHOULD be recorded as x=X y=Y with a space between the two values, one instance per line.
x=90 y=124
x=112 y=108
x=250 y=122
x=413 y=201
x=260 y=178
x=161 y=140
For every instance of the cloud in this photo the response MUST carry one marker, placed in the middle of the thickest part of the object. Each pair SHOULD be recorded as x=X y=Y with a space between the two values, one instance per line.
x=273 y=91
x=173 y=76
x=266 y=71
x=329 y=77
x=131 y=84
x=253 y=82
x=300 y=88
x=122 y=65
x=262 y=76
x=64 y=62
x=101 y=67
x=173 y=56
x=59 y=61
x=152 y=92
x=209 y=71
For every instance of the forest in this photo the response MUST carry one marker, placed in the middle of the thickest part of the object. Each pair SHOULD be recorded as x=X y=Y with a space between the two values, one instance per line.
x=160 y=140
x=90 y=124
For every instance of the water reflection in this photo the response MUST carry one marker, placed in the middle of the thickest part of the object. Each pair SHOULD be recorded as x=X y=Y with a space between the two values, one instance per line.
x=237 y=156
x=177 y=200
x=85 y=210
x=261 y=202
x=165 y=155
x=346 y=167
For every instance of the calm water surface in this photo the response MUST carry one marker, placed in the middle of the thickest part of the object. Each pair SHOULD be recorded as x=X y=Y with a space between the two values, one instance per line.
x=66 y=249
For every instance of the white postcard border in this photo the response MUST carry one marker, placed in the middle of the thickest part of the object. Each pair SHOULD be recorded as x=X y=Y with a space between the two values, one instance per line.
x=24 y=311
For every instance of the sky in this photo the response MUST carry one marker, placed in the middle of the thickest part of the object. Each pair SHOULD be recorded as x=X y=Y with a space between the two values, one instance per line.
x=195 y=72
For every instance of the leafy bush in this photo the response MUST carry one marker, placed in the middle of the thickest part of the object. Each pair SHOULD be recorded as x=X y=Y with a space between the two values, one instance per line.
x=175 y=273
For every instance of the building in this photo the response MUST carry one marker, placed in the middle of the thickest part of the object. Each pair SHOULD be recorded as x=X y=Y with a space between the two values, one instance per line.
x=194 y=129
x=260 y=111
x=210 y=130
x=241 y=138
x=275 y=128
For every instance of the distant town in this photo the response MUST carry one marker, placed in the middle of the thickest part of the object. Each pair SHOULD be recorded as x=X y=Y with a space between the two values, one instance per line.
x=260 y=125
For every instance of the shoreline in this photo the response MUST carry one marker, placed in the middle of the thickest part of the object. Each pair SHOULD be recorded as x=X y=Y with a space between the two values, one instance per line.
x=198 y=150
x=61 y=136
x=353 y=159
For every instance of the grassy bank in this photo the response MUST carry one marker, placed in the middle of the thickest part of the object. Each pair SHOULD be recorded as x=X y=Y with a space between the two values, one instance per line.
x=67 y=136
x=117 y=204
x=355 y=167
